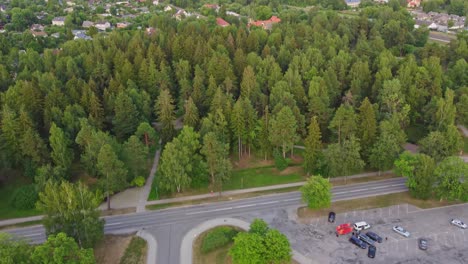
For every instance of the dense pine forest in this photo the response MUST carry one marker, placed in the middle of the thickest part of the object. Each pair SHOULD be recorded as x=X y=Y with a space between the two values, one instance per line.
x=352 y=88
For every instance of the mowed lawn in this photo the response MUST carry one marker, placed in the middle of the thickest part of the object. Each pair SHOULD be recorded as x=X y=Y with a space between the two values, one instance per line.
x=264 y=176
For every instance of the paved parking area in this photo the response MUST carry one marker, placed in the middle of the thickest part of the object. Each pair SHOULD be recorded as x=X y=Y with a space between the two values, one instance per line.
x=316 y=239
x=447 y=243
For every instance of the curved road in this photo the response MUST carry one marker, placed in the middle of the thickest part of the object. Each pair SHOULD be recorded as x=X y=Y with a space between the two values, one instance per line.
x=170 y=225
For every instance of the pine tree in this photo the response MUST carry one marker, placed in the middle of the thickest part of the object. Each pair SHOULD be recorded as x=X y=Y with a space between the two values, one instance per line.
x=191 y=116
x=367 y=129
x=134 y=154
x=126 y=117
x=264 y=133
x=216 y=153
x=165 y=112
x=61 y=154
x=283 y=130
x=238 y=124
x=343 y=123
x=112 y=170
x=313 y=146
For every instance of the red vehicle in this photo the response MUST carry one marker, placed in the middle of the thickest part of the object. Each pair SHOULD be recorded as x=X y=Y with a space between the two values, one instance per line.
x=344 y=229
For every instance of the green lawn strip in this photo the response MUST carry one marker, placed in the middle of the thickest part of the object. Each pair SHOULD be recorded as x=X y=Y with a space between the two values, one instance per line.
x=213 y=245
x=372 y=202
x=6 y=193
x=135 y=252
x=259 y=177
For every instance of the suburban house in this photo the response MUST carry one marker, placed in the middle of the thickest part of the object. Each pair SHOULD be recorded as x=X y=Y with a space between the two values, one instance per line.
x=80 y=34
x=353 y=3
x=123 y=24
x=413 y=3
x=58 y=21
x=221 y=22
x=265 y=24
x=2 y=8
x=103 y=26
x=156 y=2
x=181 y=14
x=37 y=30
x=215 y=7
x=230 y=13
x=87 y=24
x=167 y=8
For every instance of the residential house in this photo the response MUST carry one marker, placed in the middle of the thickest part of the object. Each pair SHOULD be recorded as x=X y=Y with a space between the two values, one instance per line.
x=37 y=27
x=82 y=36
x=215 y=7
x=230 y=13
x=181 y=13
x=265 y=24
x=2 y=8
x=70 y=3
x=38 y=33
x=58 y=21
x=103 y=26
x=37 y=30
x=353 y=3
x=167 y=8
x=413 y=3
x=68 y=10
x=221 y=22
x=87 y=24
x=156 y=2
x=123 y=24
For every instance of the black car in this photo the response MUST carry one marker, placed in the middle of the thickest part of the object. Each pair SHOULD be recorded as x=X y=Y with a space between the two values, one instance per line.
x=331 y=217
x=374 y=236
x=422 y=242
x=356 y=241
x=371 y=252
x=366 y=239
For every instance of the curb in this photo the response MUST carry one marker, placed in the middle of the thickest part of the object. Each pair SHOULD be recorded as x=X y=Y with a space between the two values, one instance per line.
x=186 y=248
x=152 y=246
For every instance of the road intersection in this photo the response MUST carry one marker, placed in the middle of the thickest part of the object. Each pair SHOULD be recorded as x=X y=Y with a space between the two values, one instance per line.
x=170 y=225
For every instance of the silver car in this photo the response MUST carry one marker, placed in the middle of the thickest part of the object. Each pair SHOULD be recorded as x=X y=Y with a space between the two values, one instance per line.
x=459 y=223
x=400 y=230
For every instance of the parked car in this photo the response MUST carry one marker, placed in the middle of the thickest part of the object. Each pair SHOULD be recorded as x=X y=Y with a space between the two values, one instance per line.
x=400 y=230
x=459 y=223
x=371 y=252
x=344 y=229
x=374 y=236
x=356 y=241
x=366 y=239
x=361 y=226
x=331 y=217
x=422 y=243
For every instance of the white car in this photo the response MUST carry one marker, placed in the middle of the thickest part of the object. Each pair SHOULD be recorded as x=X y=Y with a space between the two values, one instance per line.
x=459 y=223
x=361 y=226
x=400 y=230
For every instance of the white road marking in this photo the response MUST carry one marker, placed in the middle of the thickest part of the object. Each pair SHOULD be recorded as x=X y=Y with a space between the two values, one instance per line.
x=111 y=224
x=30 y=235
x=209 y=211
x=292 y=199
x=271 y=202
x=246 y=205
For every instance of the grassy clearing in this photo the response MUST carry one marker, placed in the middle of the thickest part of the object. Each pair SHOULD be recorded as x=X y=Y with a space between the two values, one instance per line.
x=266 y=176
x=372 y=202
x=218 y=255
x=135 y=252
x=6 y=193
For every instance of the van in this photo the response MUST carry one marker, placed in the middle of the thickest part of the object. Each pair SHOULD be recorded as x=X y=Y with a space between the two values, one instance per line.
x=361 y=226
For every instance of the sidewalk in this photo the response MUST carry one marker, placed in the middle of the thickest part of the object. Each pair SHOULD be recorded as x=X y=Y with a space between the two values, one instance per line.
x=257 y=189
x=207 y=195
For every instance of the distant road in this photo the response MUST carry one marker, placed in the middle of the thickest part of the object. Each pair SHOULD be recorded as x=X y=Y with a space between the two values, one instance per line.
x=442 y=37
x=167 y=217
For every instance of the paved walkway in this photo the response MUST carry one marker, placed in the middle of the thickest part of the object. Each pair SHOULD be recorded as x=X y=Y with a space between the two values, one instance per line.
x=152 y=246
x=141 y=206
x=257 y=189
x=464 y=130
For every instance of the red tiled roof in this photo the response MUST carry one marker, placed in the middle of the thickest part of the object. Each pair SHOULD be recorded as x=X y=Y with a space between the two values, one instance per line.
x=221 y=22
x=265 y=23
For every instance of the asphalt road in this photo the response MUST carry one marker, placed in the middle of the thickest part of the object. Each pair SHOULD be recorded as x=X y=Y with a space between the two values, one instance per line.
x=173 y=223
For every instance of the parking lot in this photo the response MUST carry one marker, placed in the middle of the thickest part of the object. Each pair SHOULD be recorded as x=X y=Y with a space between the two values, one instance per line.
x=447 y=243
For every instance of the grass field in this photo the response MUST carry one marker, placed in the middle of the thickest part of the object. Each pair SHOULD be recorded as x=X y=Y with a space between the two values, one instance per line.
x=216 y=256
x=6 y=193
x=265 y=176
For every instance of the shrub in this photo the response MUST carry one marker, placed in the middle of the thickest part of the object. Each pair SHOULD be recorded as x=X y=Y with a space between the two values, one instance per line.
x=280 y=162
x=218 y=237
x=24 y=197
x=138 y=181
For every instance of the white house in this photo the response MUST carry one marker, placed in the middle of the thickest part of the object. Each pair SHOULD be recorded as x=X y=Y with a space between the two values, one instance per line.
x=102 y=25
x=58 y=21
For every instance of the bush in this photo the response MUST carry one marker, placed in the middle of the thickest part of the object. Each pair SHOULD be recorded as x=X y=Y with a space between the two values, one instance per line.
x=138 y=181
x=24 y=197
x=218 y=237
x=280 y=162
